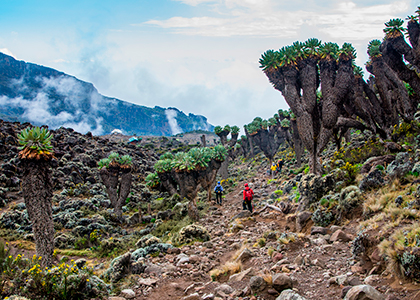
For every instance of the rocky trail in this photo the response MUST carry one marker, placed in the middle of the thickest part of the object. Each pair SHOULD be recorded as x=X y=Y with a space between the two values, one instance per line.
x=316 y=264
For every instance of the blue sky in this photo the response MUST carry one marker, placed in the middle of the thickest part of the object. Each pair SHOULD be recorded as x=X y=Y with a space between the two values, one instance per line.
x=200 y=56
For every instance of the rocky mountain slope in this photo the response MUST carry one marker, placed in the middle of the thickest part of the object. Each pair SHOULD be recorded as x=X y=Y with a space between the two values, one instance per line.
x=44 y=96
x=310 y=237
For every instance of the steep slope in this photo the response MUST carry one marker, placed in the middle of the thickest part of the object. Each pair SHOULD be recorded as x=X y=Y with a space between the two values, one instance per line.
x=41 y=95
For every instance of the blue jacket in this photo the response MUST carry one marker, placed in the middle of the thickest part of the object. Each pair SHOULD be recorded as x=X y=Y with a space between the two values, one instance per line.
x=221 y=188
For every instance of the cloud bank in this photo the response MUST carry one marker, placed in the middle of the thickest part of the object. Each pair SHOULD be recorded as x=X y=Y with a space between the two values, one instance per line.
x=44 y=108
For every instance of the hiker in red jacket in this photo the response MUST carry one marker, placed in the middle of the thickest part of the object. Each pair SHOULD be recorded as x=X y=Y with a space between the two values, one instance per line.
x=248 y=196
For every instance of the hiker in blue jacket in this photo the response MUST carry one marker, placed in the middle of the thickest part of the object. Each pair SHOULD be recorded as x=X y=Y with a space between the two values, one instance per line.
x=218 y=189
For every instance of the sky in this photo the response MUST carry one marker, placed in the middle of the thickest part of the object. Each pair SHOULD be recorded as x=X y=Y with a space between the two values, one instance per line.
x=200 y=56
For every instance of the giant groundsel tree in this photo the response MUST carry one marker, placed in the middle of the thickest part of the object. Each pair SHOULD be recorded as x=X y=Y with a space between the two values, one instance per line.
x=186 y=172
x=36 y=155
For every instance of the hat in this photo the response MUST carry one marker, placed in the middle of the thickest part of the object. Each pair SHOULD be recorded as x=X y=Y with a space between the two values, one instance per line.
x=246 y=184
x=218 y=182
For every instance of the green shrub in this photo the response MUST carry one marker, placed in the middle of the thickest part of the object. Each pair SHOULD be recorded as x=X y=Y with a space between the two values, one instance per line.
x=25 y=277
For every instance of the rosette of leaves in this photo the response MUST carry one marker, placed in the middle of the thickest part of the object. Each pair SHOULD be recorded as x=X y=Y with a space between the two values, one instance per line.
x=264 y=124
x=374 y=48
x=347 y=51
x=286 y=113
x=163 y=165
x=394 y=28
x=272 y=122
x=167 y=155
x=35 y=143
x=182 y=161
x=328 y=51
x=227 y=128
x=219 y=153
x=235 y=129
x=285 y=123
x=218 y=129
x=254 y=126
x=201 y=156
x=152 y=180
x=357 y=71
x=115 y=158
x=125 y=160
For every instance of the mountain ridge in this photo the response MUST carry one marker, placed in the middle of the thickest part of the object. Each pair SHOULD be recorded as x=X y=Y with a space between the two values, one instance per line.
x=42 y=95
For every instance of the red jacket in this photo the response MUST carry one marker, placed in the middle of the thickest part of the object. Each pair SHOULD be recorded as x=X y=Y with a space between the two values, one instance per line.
x=246 y=189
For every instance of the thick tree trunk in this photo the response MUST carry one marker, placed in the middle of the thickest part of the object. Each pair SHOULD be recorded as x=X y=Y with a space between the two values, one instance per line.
x=193 y=210
x=203 y=140
x=223 y=171
x=37 y=192
x=124 y=190
x=116 y=187
x=297 y=142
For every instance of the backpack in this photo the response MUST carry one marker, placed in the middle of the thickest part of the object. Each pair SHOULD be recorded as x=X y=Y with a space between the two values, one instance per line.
x=218 y=189
x=248 y=195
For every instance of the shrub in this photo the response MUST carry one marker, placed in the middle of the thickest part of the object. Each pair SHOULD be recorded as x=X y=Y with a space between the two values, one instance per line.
x=322 y=217
x=402 y=251
x=25 y=277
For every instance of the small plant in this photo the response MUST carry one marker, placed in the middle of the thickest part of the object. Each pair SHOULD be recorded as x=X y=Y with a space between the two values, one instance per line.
x=278 y=192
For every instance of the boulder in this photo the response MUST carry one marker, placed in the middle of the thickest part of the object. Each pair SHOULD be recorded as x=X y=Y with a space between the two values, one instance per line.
x=363 y=292
x=281 y=282
x=245 y=255
x=193 y=232
x=290 y=295
x=223 y=289
x=302 y=220
x=257 y=284
x=128 y=294
x=341 y=236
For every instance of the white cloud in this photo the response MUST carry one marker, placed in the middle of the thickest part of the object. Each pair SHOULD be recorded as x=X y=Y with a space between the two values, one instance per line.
x=38 y=110
x=345 y=19
x=195 y=2
x=173 y=124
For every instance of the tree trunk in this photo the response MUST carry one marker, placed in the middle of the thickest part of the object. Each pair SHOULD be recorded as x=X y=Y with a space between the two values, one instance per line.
x=203 y=140
x=37 y=192
x=193 y=210
x=223 y=171
x=297 y=142
x=124 y=191
x=110 y=179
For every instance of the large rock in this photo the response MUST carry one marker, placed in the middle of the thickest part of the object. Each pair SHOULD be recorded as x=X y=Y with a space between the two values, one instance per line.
x=372 y=162
x=281 y=282
x=245 y=255
x=341 y=236
x=312 y=187
x=223 y=289
x=363 y=292
x=193 y=232
x=257 y=284
x=302 y=219
x=290 y=295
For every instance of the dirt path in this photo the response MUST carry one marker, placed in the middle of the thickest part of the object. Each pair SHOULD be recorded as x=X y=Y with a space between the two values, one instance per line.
x=319 y=270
